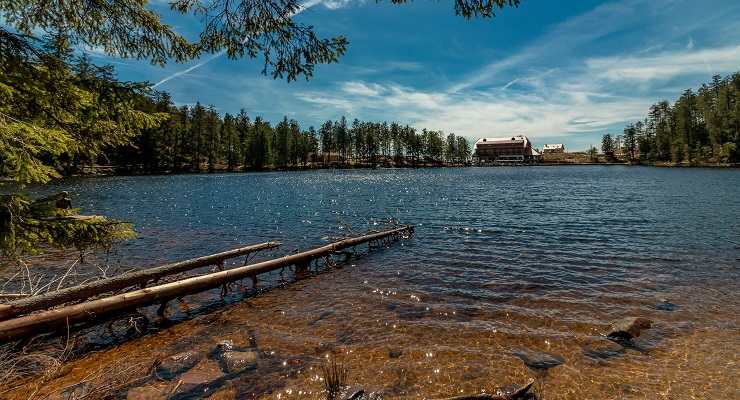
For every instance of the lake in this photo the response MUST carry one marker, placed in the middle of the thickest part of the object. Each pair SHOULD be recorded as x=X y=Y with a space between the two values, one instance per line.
x=503 y=261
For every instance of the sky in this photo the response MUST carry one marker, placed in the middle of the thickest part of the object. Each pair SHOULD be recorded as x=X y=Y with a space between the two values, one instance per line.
x=559 y=72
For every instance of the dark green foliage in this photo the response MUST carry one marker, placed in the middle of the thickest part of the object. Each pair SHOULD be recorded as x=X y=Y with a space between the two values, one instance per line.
x=231 y=143
x=630 y=141
x=593 y=153
x=699 y=128
x=476 y=8
x=128 y=29
x=607 y=145
x=57 y=113
x=27 y=225
x=239 y=28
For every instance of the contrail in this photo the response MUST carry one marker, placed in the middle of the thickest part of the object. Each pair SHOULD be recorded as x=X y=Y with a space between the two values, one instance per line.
x=191 y=68
x=303 y=7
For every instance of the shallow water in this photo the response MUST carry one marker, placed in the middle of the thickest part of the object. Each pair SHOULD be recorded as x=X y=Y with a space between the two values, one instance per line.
x=504 y=260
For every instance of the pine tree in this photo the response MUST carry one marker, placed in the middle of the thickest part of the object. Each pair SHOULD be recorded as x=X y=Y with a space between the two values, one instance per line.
x=607 y=145
x=630 y=141
x=231 y=141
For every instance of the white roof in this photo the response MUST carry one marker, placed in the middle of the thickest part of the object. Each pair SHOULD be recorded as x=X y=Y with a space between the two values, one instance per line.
x=514 y=138
x=556 y=146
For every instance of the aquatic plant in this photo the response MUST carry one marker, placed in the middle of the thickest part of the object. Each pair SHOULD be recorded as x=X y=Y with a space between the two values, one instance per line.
x=334 y=378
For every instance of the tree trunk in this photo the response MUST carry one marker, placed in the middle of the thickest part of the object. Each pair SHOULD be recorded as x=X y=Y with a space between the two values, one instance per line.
x=83 y=292
x=49 y=320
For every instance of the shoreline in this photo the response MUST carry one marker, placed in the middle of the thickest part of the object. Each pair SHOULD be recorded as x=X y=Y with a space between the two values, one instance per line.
x=109 y=171
x=129 y=172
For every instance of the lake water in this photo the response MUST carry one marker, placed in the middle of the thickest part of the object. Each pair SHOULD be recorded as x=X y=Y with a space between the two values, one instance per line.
x=504 y=260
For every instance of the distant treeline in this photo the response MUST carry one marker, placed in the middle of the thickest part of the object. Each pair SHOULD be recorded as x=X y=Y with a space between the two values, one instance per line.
x=199 y=138
x=699 y=128
x=60 y=114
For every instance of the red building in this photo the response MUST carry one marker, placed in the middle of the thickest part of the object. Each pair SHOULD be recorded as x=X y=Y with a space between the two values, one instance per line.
x=513 y=149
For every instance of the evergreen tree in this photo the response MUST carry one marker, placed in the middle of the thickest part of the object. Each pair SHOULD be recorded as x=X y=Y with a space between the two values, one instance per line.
x=630 y=141
x=607 y=145
x=258 y=145
x=328 y=143
x=245 y=133
x=451 y=148
x=295 y=143
x=463 y=149
x=231 y=141
x=342 y=137
x=213 y=130
x=280 y=145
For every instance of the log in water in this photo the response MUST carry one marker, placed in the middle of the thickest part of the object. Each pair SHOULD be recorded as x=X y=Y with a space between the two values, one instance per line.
x=51 y=319
x=140 y=277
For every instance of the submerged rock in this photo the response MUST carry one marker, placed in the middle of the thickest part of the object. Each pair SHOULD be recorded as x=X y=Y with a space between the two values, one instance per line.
x=206 y=375
x=225 y=345
x=234 y=362
x=232 y=359
x=178 y=363
x=626 y=329
x=353 y=393
x=520 y=393
x=666 y=306
x=346 y=336
x=604 y=351
x=395 y=353
x=412 y=311
x=538 y=359
x=79 y=390
x=145 y=393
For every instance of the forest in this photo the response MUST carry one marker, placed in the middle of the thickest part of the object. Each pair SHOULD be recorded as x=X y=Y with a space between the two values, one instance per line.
x=699 y=128
x=158 y=136
x=196 y=138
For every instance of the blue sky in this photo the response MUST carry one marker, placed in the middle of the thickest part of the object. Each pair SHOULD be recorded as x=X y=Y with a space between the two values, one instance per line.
x=559 y=72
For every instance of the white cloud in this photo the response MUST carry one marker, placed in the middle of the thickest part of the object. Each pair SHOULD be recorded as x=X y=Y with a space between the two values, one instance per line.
x=592 y=96
x=336 y=4
x=585 y=94
x=599 y=22
x=476 y=113
x=551 y=88
x=666 y=65
x=361 y=88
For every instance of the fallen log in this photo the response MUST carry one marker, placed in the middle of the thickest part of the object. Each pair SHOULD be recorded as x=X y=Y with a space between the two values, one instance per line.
x=118 y=282
x=48 y=320
x=14 y=295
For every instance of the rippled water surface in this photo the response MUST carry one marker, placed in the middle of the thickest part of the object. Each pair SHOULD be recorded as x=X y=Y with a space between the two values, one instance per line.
x=504 y=261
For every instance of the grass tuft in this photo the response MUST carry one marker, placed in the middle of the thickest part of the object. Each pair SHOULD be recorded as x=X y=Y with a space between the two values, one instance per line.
x=335 y=378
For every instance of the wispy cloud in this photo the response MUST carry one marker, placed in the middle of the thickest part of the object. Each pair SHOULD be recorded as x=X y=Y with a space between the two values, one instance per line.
x=572 y=33
x=581 y=77
x=593 y=96
x=476 y=114
x=665 y=65
x=528 y=93
x=189 y=69
x=330 y=4
x=361 y=88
